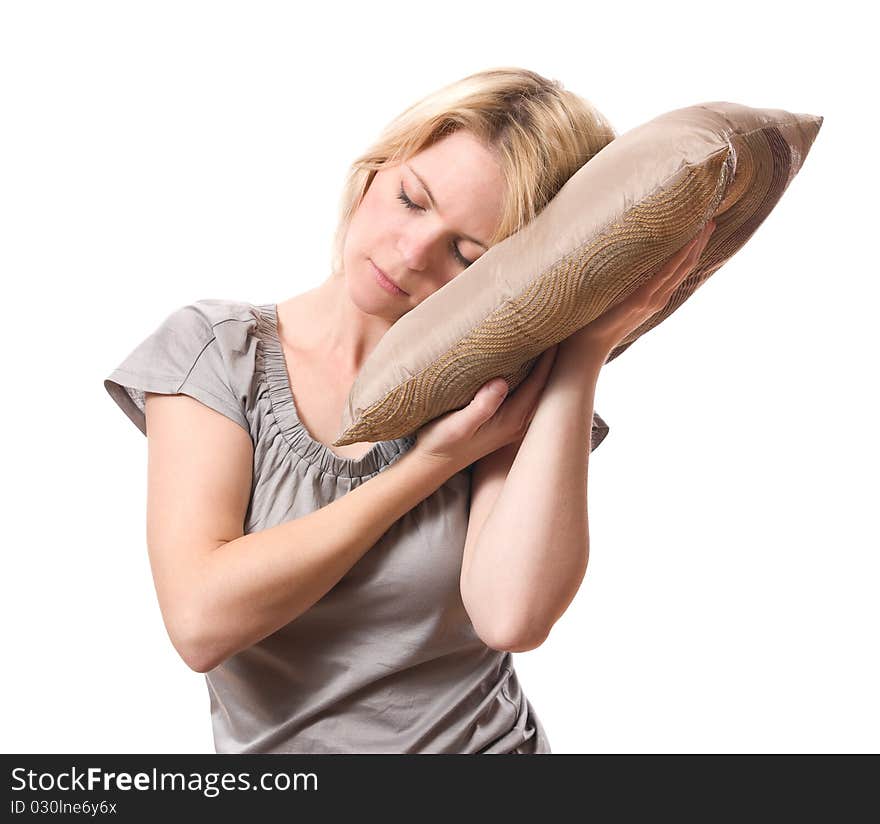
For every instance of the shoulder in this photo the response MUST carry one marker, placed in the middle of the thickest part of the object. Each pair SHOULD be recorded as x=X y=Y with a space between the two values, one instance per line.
x=230 y=332
x=206 y=349
x=196 y=323
x=230 y=326
x=220 y=337
x=209 y=313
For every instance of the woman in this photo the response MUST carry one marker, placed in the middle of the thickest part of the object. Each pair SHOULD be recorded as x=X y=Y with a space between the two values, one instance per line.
x=368 y=598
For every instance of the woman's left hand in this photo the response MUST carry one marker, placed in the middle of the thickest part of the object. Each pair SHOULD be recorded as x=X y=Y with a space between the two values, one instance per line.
x=599 y=337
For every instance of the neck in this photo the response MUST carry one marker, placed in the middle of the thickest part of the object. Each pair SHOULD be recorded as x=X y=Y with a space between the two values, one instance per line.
x=334 y=329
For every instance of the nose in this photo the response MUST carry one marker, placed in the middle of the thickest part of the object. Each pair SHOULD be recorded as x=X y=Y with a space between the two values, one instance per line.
x=416 y=247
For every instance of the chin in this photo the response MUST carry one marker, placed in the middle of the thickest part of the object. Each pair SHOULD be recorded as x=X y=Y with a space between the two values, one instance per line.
x=370 y=298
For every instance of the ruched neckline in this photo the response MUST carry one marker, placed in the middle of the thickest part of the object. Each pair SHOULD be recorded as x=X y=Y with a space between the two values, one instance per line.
x=294 y=430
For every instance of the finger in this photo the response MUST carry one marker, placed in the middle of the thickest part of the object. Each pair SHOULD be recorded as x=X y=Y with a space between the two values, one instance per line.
x=494 y=398
x=700 y=240
x=671 y=278
x=677 y=267
x=692 y=258
x=541 y=364
x=707 y=231
x=682 y=254
x=670 y=274
x=490 y=396
x=701 y=246
x=496 y=386
x=681 y=274
x=697 y=247
x=670 y=270
x=706 y=234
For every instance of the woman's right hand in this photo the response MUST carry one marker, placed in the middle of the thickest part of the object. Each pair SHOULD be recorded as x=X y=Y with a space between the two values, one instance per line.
x=491 y=420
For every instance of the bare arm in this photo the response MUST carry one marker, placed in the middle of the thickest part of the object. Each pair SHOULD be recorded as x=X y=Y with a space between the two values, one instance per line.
x=530 y=545
x=220 y=590
x=528 y=536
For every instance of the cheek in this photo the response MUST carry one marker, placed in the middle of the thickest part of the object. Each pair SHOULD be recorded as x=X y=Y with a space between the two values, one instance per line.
x=357 y=235
x=370 y=225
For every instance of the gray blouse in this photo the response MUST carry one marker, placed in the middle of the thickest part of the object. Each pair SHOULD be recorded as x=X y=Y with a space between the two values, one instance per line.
x=387 y=661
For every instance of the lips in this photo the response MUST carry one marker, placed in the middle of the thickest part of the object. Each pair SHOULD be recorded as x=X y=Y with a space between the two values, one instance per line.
x=387 y=278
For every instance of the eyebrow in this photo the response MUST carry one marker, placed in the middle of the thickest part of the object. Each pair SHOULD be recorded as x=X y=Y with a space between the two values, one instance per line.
x=434 y=204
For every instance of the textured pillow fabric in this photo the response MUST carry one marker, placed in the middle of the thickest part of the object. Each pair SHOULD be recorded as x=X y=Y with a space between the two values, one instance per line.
x=609 y=228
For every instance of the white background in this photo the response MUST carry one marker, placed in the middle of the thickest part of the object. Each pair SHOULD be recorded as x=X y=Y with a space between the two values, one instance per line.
x=159 y=153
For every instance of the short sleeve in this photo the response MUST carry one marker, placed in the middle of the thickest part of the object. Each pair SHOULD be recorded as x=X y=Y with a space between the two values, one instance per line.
x=182 y=357
x=598 y=432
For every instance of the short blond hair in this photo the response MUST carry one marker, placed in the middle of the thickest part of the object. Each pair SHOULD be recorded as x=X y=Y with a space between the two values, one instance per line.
x=539 y=132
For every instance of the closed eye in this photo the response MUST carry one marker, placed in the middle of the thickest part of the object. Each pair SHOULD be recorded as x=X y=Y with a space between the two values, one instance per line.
x=401 y=196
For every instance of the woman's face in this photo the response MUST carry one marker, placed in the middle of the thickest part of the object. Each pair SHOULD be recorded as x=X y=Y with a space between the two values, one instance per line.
x=422 y=246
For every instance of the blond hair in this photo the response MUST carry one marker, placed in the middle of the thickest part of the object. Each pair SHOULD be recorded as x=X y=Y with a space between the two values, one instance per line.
x=539 y=132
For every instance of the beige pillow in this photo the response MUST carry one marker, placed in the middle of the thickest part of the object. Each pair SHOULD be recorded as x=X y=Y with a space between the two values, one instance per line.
x=611 y=226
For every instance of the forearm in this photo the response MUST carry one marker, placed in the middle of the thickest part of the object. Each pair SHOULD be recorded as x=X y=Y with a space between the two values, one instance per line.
x=254 y=585
x=531 y=554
